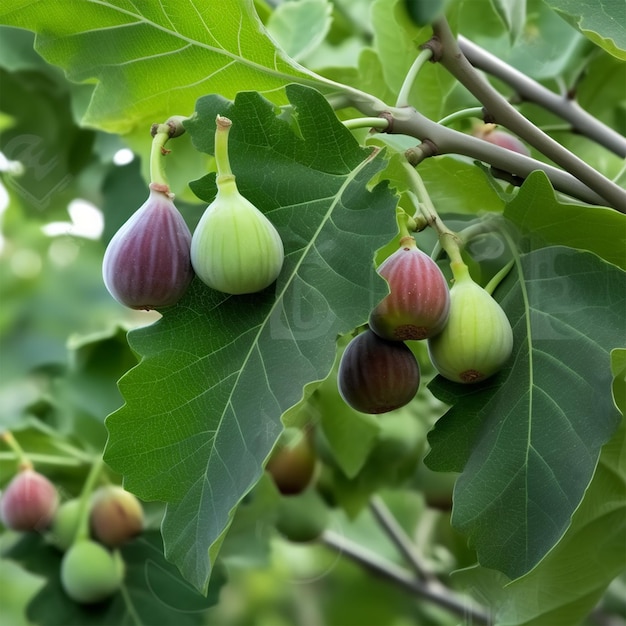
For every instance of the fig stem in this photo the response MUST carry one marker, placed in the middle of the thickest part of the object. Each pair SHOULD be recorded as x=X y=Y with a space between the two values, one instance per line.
x=82 y=528
x=222 y=130
x=44 y=459
x=23 y=461
x=422 y=58
x=497 y=278
x=157 y=154
x=379 y=123
x=478 y=112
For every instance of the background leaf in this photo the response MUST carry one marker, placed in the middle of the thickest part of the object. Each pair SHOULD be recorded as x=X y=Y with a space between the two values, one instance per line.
x=513 y=15
x=502 y=433
x=203 y=407
x=618 y=367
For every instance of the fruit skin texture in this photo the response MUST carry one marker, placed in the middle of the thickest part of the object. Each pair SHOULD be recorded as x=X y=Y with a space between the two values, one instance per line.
x=147 y=263
x=477 y=340
x=116 y=516
x=29 y=502
x=90 y=573
x=235 y=248
x=292 y=466
x=501 y=138
x=65 y=524
x=418 y=304
x=377 y=376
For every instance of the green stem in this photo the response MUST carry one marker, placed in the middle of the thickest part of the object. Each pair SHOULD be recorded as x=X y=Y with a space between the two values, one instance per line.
x=490 y=287
x=379 y=123
x=43 y=459
x=478 y=112
x=22 y=459
x=423 y=57
x=82 y=529
x=222 y=129
x=161 y=134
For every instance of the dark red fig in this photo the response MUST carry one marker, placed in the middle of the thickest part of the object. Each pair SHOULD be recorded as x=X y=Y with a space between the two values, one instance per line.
x=292 y=465
x=418 y=304
x=147 y=263
x=116 y=516
x=29 y=502
x=377 y=376
x=501 y=138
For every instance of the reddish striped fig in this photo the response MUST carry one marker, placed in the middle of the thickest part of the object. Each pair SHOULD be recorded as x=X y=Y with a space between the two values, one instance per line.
x=376 y=375
x=29 y=502
x=501 y=138
x=419 y=301
x=116 y=516
x=478 y=339
x=147 y=263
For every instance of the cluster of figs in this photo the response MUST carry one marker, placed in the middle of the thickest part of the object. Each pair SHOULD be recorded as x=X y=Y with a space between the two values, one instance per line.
x=151 y=260
x=88 y=531
x=469 y=335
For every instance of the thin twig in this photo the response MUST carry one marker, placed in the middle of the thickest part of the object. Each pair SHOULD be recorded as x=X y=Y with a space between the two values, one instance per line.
x=458 y=605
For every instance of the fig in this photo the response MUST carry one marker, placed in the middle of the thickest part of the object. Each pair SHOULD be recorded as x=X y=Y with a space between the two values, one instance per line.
x=90 y=573
x=147 y=263
x=292 y=465
x=477 y=339
x=418 y=302
x=116 y=516
x=501 y=138
x=302 y=518
x=235 y=248
x=29 y=502
x=65 y=524
x=376 y=375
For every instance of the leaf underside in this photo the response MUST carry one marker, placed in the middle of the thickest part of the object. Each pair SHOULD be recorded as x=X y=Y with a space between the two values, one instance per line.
x=203 y=407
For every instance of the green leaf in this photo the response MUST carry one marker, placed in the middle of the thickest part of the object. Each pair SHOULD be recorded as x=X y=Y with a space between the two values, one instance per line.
x=618 y=368
x=152 y=592
x=203 y=406
x=150 y=61
x=299 y=27
x=601 y=21
x=546 y=221
x=513 y=15
x=502 y=434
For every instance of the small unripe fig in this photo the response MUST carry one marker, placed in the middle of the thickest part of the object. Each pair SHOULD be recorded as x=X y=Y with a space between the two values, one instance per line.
x=292 y=465
x=147 y=262
x=303 y=517
x=116 y=516
x=29 y=502
x=90 y=573
x=477 y=340
x=419 y=300
x=376 y=375
x=235 y=248
x=501 y=138
x=65 y=524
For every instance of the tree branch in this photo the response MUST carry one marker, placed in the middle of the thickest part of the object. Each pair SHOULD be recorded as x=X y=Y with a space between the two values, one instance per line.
x=458 y=605
x=457 y=64
x=528 y=89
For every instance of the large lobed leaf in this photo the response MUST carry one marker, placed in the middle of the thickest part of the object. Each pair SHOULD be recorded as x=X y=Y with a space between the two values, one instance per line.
x=203 y=406
x=154 y=59
x=528 y=440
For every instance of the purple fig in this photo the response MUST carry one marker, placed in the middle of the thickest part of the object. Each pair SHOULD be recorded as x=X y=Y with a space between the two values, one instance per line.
x=376 y=375
x=501 y=138
x=29 y=502
x=419 y=300
x=147 y=263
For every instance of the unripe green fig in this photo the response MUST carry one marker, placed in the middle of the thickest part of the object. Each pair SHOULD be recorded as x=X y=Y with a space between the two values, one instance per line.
x=235 y=248
x=90 y=573
x=419 y=300
x=29 y=502
x=501 y=138
x=376 y=375
x=116 y=516
x=292 y=465
x=303 y=517
x=477 y=340
x=147 y=263
x=65 y=524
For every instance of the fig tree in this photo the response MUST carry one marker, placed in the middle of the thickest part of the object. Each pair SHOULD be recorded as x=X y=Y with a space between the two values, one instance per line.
x=90 y=573
x=116 y=516
x=376 y=375
x=292 y=465
x=29 y=502
x=147 y=263
x=418 y=302
x=477 y=339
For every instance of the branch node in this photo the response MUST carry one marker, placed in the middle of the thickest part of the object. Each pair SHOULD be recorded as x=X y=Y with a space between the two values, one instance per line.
x=418 y=153
x=387 y=115
x=435 y=46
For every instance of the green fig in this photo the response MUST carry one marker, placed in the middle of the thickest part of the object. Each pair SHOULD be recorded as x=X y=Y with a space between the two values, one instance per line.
x=235 y=248
x=302 y=518
x=65 y=524
x=477 y=340
x=90 y=573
